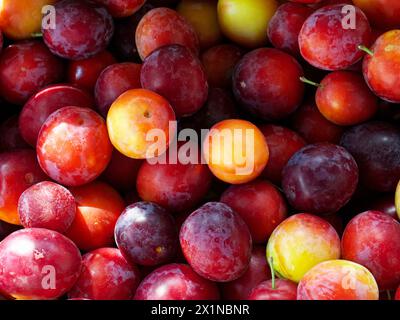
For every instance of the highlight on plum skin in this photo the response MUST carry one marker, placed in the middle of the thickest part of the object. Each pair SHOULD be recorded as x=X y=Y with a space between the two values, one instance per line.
x=27 y=256
x=105 y=275
x=176 y=282
x=219 y=254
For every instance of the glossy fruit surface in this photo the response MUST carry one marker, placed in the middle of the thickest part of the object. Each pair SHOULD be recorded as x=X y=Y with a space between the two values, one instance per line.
x=41 y=105
x=38 y=264
x=246 y=21
x=84 y=73
x=257 y=272
x=25 y=68
x=22 y=19
x=301 y=242
x=98 y=209
x=381 y=68
x=121 y=8
x=219 y=253
x=176 y=282
x=19 y=170
x=82 y=29
x=382 y=13
x=146 y=234
x=372 y=239
x=260 y=205
x=82 y=133
x=282 y=144
x=327 y=45
x=313 y=126
x=261 y=87
x=236 y=151
x=163 y=26
x=114 y=81
x=344 y=98
x=376 y=148
x=105 y=275
x=131 y=118
x=174 y=66
x=284 y=290
x=285 y=26
x=346 y=280
x=320 y=178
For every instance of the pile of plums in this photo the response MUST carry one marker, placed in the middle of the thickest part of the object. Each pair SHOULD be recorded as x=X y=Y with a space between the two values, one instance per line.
x=303 y=207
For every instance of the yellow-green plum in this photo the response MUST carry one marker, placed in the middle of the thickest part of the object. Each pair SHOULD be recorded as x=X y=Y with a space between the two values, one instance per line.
x=246 y=21
x=301 y=242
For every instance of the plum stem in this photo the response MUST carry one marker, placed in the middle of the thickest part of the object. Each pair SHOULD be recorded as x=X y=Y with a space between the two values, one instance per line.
x=305 y=80
x=37 y=35
x=270 y=262
x=365 y=49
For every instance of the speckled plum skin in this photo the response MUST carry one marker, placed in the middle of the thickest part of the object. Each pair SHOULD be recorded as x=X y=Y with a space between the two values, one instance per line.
x=176 y=282
x=114 y=81
x=313 y=126
x=282 y=144
x=82 y=29
x=176 y=187
x=320 y=178
x=376 y=148
x=47 y=205
x=172 y=67
x=263 y=89
x=19 y=170
x=25 y=68
x=338 y=280
x=284 y=27
x=257 y=272
x=45 y=102
x=105 y=275
x=161 y=27
x=381 y=70
x=28 y=255
x=325 y=44
x=372 y=239
x=216 y=242
x=86 y=148
x=259 y=204
x=146 y=234
x=10 y=135
x=284 y=290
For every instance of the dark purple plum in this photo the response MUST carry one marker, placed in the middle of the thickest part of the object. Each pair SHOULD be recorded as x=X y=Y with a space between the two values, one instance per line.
x=146 y=234
x=376 y=148
x=320 y=178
